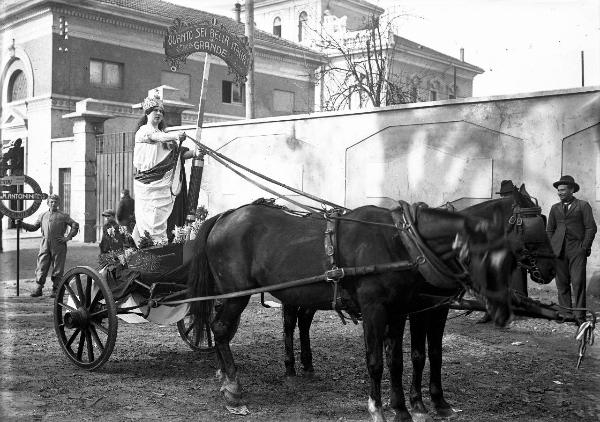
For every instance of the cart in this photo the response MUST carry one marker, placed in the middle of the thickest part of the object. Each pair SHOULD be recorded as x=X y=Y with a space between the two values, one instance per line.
x=87 y=309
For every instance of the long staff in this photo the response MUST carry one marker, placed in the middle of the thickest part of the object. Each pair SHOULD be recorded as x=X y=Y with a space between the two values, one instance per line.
x=198 y=161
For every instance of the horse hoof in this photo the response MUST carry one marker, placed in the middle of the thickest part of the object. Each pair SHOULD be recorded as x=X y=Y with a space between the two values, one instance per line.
x=444 y=412
x=376 y=412
x=290 y=381
x=421 y=417
x=232 y=392
x=232 y=399
x=308 y=373
x=418 y=407
x=403 y=416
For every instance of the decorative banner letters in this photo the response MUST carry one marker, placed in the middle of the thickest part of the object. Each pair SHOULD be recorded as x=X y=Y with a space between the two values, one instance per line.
x=183 y=39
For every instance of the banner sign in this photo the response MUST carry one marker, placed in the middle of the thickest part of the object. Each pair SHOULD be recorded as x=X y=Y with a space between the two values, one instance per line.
x=183 y=39
x=12 y=197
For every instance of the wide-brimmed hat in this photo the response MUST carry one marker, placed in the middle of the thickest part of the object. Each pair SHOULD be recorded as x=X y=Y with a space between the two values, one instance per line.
x=566 y=180
x=506 y=186
x=108 y=212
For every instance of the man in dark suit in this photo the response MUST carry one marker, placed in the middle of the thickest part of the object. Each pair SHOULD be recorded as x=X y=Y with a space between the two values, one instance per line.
x=571 y=228
x=126 y=211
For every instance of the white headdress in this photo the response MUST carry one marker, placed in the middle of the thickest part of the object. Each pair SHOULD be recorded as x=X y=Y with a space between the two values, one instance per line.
x=153 y=101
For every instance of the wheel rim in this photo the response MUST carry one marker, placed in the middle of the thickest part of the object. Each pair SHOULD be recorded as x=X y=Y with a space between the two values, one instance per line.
x=85 y=318
x=197 y=337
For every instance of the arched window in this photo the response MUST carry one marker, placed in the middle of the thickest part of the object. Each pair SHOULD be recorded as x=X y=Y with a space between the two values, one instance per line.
x=17 y=86
x=302 y=25
x=277 y=27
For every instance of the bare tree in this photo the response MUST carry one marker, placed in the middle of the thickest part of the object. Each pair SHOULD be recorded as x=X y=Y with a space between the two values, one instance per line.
x=361 y=68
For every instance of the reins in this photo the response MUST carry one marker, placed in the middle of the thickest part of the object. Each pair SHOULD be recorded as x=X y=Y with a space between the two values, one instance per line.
x=327 y=275
x=228 y=163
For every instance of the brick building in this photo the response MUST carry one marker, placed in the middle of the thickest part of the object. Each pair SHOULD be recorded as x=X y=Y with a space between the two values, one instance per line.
x=71 y=70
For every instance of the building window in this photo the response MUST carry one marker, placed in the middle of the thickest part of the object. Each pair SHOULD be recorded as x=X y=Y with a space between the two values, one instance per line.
x=283 y=101
x=302 y=25
x=106 y=74
x=64 y=189
x=451 y=94
x=17 y=86
x=232 y=93
x=277 y=27
x=413 y=93
x=181 y=81
x=432 y=95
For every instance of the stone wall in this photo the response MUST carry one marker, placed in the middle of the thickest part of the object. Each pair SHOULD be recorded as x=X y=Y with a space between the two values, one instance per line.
x=433 y=152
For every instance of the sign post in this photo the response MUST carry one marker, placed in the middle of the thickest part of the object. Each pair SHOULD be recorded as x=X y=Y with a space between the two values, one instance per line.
x=185 y=38
x=7 y=194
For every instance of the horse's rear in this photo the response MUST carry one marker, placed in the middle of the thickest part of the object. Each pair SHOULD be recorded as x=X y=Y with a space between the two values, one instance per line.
x=261 y=246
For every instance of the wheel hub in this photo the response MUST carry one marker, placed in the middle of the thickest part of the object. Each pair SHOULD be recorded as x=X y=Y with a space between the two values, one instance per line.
x=77 y=319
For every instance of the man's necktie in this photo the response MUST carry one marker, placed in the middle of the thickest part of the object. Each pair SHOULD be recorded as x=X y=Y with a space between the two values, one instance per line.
x=565 y=208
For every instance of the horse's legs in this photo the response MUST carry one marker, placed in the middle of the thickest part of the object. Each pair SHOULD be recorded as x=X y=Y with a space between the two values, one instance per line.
x=393 y=347
x=435 y=333
x=305 y=317
x=224 y=327
x=418 y=334
x=290 y=315
x=374 y=323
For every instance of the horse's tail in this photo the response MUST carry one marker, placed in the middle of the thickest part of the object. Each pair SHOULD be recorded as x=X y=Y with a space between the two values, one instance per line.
x=200 y=279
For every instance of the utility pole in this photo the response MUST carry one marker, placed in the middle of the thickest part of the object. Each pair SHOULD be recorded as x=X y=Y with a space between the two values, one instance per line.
x=249 y=32
x=582 y=70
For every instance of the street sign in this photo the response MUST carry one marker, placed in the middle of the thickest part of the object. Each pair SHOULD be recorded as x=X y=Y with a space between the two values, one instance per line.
x=12 y=180
x=185 y=38
x=29 y=196
x=36 y=196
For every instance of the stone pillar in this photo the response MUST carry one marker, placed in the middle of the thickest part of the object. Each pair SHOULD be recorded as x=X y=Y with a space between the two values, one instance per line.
x=172 y=103
x=87 y=123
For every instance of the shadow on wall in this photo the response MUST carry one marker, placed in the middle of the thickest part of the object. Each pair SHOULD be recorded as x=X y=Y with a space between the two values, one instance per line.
x=581 y=159
x=434 y=163
x=287 y=160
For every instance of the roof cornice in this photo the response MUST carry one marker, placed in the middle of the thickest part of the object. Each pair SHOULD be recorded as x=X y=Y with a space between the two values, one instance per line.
x=128 y=18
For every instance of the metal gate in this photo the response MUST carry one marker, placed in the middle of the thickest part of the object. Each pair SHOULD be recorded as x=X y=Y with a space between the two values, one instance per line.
x=114 y=165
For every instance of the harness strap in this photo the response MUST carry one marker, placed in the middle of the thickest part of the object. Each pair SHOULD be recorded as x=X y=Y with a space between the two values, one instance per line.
x=431 y=267
x=338 y=272
x=331 y=250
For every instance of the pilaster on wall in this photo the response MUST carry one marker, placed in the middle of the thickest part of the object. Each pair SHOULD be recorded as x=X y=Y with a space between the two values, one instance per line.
x=86 y=125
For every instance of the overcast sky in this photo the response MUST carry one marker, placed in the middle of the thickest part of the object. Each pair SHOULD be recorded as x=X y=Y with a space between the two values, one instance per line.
x=523 y=45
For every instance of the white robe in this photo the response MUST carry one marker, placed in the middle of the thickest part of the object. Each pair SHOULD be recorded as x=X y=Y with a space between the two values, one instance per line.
x=153 y=201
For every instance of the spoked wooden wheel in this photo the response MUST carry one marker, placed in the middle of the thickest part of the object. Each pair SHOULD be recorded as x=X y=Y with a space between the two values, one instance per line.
x=85 y=318
x=198 y=337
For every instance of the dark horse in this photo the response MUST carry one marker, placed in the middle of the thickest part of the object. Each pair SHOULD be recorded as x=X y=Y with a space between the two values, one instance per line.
x=260 y=246
x=526 y=232
x=527 y=238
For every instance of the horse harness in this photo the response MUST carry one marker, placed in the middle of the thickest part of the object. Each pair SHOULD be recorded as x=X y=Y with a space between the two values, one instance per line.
x=335 y=274
x=433 y=268
x=527 y=224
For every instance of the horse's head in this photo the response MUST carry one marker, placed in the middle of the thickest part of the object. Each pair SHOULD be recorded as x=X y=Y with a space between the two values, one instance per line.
x=485 y=251
x=527 y=232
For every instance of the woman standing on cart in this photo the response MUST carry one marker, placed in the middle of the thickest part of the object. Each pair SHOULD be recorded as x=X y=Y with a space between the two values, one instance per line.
x=159 y=176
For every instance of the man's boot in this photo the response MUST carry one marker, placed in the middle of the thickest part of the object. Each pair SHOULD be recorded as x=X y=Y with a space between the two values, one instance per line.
x=37 y=292
x=55 y=281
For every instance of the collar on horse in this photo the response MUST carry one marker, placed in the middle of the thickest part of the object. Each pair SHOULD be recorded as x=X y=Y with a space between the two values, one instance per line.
x=432 y=268
x=529 y=225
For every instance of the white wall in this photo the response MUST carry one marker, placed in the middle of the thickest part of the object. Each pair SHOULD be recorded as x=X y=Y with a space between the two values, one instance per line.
x=432 y=152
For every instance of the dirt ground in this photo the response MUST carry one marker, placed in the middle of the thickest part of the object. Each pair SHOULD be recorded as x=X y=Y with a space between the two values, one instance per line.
x=525 y=372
